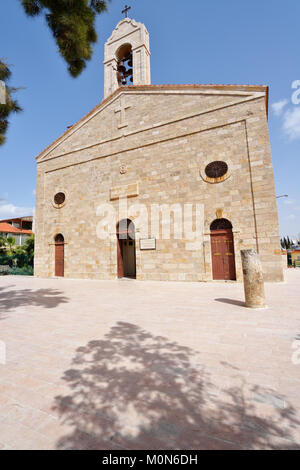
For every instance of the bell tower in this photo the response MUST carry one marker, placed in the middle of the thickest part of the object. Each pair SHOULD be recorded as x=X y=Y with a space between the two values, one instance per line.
x=126 y=56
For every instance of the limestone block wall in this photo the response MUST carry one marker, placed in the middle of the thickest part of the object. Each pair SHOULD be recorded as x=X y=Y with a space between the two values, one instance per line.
x=165 y=143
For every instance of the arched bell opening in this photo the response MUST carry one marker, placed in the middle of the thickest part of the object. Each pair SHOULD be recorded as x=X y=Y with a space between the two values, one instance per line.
x=124 y=65
x=59 y=255
x=222 y=250
x=126 y=249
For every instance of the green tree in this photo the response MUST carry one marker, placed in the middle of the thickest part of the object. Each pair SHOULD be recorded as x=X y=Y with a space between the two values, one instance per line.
x=11 y=242
x=72 y=23
x=2 y=244
x=29 y=249
x=10 y=105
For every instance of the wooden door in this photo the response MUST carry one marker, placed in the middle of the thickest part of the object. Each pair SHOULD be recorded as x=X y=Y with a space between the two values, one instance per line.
x=59 y=258
x=129 y=262
x=126 y=258
x=120 y=258
x=223 y=259
x=126 y=249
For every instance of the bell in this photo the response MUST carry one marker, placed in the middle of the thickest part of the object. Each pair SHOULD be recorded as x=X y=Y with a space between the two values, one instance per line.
x=128 y=73
x=119 y=77
x=121 y=67
x=124 y=81
x=131 y=79
x=130 y=62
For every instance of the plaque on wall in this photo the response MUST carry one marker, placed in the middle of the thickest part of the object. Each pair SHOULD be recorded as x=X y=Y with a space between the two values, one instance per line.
x=148 y=244
x=129 y=190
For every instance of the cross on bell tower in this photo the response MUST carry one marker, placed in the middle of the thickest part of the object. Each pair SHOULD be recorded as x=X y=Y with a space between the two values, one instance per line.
x=126 y=10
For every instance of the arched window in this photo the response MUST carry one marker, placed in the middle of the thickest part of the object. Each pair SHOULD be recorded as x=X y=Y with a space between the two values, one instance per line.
x=221 y=224
x=59 y=238
x=126 y=229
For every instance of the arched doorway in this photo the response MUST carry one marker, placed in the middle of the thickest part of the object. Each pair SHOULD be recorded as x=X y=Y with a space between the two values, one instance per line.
x=126 y=249
x=222 y=250
x=59 y=255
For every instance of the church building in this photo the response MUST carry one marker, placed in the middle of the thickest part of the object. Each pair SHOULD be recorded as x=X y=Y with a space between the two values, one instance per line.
x=161 y=151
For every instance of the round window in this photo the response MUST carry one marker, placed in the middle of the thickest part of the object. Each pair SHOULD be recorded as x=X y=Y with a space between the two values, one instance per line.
x=59 y=199
x=216 y=169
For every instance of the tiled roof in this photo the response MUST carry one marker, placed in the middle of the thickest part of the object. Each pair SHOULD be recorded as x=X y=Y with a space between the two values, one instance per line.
x=17 y=219
x=7 y=228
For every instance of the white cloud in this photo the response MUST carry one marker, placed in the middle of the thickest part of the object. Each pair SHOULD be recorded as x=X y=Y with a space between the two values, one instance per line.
x=8 y=210
x=288 y=202
x=279 y=106
x=291 y=123
x=291 y=217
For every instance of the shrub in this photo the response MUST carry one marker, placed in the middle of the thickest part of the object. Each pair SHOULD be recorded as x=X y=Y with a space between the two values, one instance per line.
x=4 y=270
x=25 y=271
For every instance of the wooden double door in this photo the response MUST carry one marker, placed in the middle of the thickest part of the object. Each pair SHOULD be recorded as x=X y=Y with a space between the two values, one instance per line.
x=223 y=257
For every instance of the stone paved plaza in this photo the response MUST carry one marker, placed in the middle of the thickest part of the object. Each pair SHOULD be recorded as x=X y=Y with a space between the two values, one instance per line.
x=147 y=365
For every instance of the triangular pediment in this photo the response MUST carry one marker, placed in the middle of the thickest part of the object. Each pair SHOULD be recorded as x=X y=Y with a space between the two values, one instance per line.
x=137 y=108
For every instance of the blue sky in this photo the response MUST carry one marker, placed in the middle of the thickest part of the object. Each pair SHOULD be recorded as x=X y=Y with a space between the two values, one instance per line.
x=196 y=41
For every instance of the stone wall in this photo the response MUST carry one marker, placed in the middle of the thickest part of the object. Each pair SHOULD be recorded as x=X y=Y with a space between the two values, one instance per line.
x=162 y=137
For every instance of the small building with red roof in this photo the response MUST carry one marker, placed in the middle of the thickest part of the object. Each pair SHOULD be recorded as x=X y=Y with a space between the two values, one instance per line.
x=19 y=228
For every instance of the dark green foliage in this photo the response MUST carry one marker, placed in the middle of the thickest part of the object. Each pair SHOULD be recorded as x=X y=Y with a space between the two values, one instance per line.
x=5 y=73
x=11 y=105
x=72 y=23
x=4 y=270
x=29 y=250
x=19 y=258
x=6 y=260
x=25 y=271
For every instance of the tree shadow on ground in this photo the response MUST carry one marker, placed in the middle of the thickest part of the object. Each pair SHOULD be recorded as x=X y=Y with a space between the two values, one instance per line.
x=134 y=390
x=11 y=298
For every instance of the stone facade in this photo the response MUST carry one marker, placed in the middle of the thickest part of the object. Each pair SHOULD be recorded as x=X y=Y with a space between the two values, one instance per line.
x=152 y=143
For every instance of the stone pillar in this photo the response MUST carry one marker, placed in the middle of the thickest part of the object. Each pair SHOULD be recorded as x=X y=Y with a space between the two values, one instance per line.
x=253 y=279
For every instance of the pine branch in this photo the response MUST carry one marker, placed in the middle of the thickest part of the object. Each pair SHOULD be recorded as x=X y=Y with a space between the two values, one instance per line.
x=11 y=105
x=72 y=23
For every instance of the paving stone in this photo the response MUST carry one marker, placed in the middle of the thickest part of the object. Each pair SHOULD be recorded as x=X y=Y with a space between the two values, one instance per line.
x=133 y=378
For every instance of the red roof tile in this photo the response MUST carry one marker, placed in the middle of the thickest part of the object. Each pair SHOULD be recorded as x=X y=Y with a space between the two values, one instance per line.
x=7 y=228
